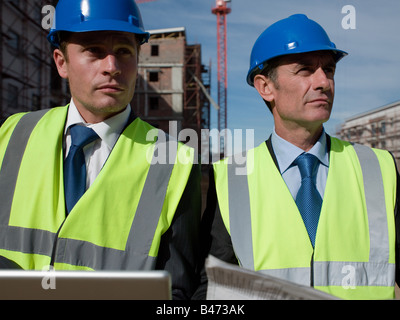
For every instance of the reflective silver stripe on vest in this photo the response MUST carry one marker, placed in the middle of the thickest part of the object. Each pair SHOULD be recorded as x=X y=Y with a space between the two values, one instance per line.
x=299 y=276
x=83 y=253
x=240 y=218
x=33 y=241
x=375 y=201
x=12 y=161
x=333 y=273
x=26 y=240
x=377 y=272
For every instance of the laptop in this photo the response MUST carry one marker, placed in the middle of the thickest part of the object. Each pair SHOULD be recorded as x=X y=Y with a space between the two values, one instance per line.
x=84 y=285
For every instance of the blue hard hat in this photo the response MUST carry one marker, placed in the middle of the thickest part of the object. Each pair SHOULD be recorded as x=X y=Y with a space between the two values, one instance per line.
x=295 y=34
x=97 y=15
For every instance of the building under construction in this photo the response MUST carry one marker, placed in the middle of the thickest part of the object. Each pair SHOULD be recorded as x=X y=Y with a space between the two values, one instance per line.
x=173 y=84
x=378 y=128
x=28 y=77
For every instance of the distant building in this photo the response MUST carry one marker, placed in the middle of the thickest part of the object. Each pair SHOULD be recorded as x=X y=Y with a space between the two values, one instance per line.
x=379 y=128
x=28 y=77
x=171 y=83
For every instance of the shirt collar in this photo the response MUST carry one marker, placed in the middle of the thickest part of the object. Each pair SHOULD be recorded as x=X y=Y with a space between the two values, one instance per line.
x=108 y=130
x=286 y=152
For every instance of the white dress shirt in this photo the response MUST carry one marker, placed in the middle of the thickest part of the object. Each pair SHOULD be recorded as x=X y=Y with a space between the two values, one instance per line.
x=97 y=152
x=286 y=153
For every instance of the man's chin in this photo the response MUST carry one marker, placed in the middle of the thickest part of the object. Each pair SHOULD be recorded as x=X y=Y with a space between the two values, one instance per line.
x=100 y=113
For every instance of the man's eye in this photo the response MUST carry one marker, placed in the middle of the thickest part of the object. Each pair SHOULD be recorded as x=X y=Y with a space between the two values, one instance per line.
x=330 y=71
x=304 y=70
x=125 y=52
x=94 y=50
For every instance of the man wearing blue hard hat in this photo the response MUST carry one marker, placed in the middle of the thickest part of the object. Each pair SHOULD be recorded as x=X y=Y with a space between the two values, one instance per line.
x=79 y=186
x=310 y=209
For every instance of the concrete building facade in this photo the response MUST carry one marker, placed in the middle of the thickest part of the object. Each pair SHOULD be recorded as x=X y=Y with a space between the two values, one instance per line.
x=171 y=81
x=378 y=128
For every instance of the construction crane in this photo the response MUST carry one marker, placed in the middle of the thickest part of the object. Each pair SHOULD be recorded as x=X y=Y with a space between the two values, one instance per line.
x=221 y=10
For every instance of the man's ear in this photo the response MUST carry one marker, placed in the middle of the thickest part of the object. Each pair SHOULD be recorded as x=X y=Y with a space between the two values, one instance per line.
x=61 y=63
x=264 y=86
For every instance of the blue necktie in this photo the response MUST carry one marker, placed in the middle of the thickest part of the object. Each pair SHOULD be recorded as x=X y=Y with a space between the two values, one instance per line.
x=75 y=166
x=308 y=199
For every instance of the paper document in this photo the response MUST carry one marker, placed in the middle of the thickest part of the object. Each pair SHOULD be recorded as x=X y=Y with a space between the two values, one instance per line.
x=231 y=282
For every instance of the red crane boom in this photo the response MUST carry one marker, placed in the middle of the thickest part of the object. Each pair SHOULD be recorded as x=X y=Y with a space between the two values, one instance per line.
x=221 y=11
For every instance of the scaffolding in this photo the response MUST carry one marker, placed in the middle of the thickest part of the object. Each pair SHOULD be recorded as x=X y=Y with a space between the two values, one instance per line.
x=177 y=71
x=28 y=78
x=378 y=128
x=196 y=105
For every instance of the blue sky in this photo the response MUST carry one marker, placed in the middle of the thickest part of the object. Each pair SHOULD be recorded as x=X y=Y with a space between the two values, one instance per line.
x=366 y=79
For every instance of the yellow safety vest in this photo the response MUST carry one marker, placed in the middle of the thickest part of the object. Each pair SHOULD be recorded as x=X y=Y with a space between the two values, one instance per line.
x=354 y=254
x=118 y=222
